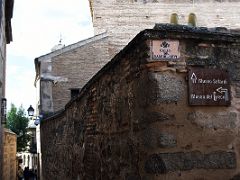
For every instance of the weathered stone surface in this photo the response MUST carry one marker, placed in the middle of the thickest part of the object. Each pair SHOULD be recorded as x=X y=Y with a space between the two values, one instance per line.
x=158 y=116
x=214 y=120
x=145 y=118
x=165 y=162
x=234 y=71
x=149 y=137
x=220 y=160
x=153 y=138
x=126 y=112
x=133 y=177
x=237 y=90
x=236 y=177
x=155 y=164
x=167 y=88
x=166 y=140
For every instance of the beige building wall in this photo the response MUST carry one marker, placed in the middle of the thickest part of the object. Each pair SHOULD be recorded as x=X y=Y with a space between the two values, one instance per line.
x=9 y=158
x=69 y=68
x=77 y=67
x=123 y=19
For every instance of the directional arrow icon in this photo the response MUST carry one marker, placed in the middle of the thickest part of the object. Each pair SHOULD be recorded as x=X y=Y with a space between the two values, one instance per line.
x=221 y=90
x=194 y=78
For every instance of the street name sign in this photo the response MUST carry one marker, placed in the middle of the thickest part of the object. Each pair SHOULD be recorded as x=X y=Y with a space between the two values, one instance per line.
x=208 y=87
x=165 y=50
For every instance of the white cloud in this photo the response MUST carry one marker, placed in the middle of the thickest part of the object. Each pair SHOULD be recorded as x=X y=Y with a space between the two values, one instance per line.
x=20 y=89
x=37 y=26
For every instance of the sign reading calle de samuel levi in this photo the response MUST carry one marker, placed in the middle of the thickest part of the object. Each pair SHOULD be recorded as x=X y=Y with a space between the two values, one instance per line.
x=165 y=50
x=208 y=87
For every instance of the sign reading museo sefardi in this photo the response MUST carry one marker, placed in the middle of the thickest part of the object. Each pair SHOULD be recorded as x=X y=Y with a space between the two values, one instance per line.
x=165 y=50
x=208 y=86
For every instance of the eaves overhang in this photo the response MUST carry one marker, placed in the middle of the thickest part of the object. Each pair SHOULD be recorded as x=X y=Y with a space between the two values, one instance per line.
x=8 y=16
x=38 y=60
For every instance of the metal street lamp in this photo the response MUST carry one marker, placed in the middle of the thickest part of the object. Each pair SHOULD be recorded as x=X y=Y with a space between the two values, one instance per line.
x=4 y=110
x=30 y=111
x=37 y=121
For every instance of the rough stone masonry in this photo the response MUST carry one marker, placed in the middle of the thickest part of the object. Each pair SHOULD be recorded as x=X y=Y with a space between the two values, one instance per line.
x=137 y=117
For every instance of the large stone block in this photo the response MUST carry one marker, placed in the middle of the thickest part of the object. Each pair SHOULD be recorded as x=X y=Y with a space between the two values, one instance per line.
x=166 y=140
x=152 y=138
x=158 y=116
x=234 y=71
x=165 y=162
x=214 y=120
x=133 y=177
x=143 y=118
x=237 y=91
x=166 y=88
x=236 y=177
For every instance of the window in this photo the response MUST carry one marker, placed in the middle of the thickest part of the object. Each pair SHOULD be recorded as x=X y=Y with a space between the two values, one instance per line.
x=74 y=92
x=192 y=20
x=174 y=18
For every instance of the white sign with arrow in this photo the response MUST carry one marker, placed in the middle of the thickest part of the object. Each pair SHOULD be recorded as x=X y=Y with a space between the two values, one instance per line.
x=194 y=78
x=208 y=86
x=223 y=90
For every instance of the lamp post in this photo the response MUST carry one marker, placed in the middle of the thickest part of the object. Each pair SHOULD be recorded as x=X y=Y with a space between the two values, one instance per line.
x=4 y=110
x=30 y=111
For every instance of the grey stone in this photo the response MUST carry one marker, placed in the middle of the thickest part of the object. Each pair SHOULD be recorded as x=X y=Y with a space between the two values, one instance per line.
x=220 y=160
x=149 y=138
x=165 y=88
x=155 y=164
x=214 y=120
x=167 y=140
x=237 y=90
x=158 y=116
x=133 y=177
x=152 y=138
x=165 y=162
x=236 y=177
x=234 y=72
x=143 y=118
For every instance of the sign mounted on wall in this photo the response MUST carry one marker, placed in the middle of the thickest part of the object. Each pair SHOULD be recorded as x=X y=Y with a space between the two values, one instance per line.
x=165 y=50
x=208 y=87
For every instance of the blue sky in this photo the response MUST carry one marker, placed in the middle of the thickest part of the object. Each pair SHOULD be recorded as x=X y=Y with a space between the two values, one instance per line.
x=37 y=26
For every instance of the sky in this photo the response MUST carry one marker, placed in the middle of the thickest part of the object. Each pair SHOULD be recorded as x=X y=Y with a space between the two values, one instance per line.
x=37 y=26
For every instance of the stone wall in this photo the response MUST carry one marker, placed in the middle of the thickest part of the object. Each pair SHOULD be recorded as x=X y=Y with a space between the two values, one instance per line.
x=9 y=157
x=132 y=120
x=123 y=19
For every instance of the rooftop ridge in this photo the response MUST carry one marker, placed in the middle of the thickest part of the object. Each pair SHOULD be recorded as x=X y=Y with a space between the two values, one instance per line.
x=72 y=46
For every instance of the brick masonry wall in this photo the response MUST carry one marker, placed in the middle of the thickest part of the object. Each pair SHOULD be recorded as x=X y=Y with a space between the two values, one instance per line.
x=71 y=69
x=132 y=119
x=9 y=157
x=78 y=66
x=123 y=19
